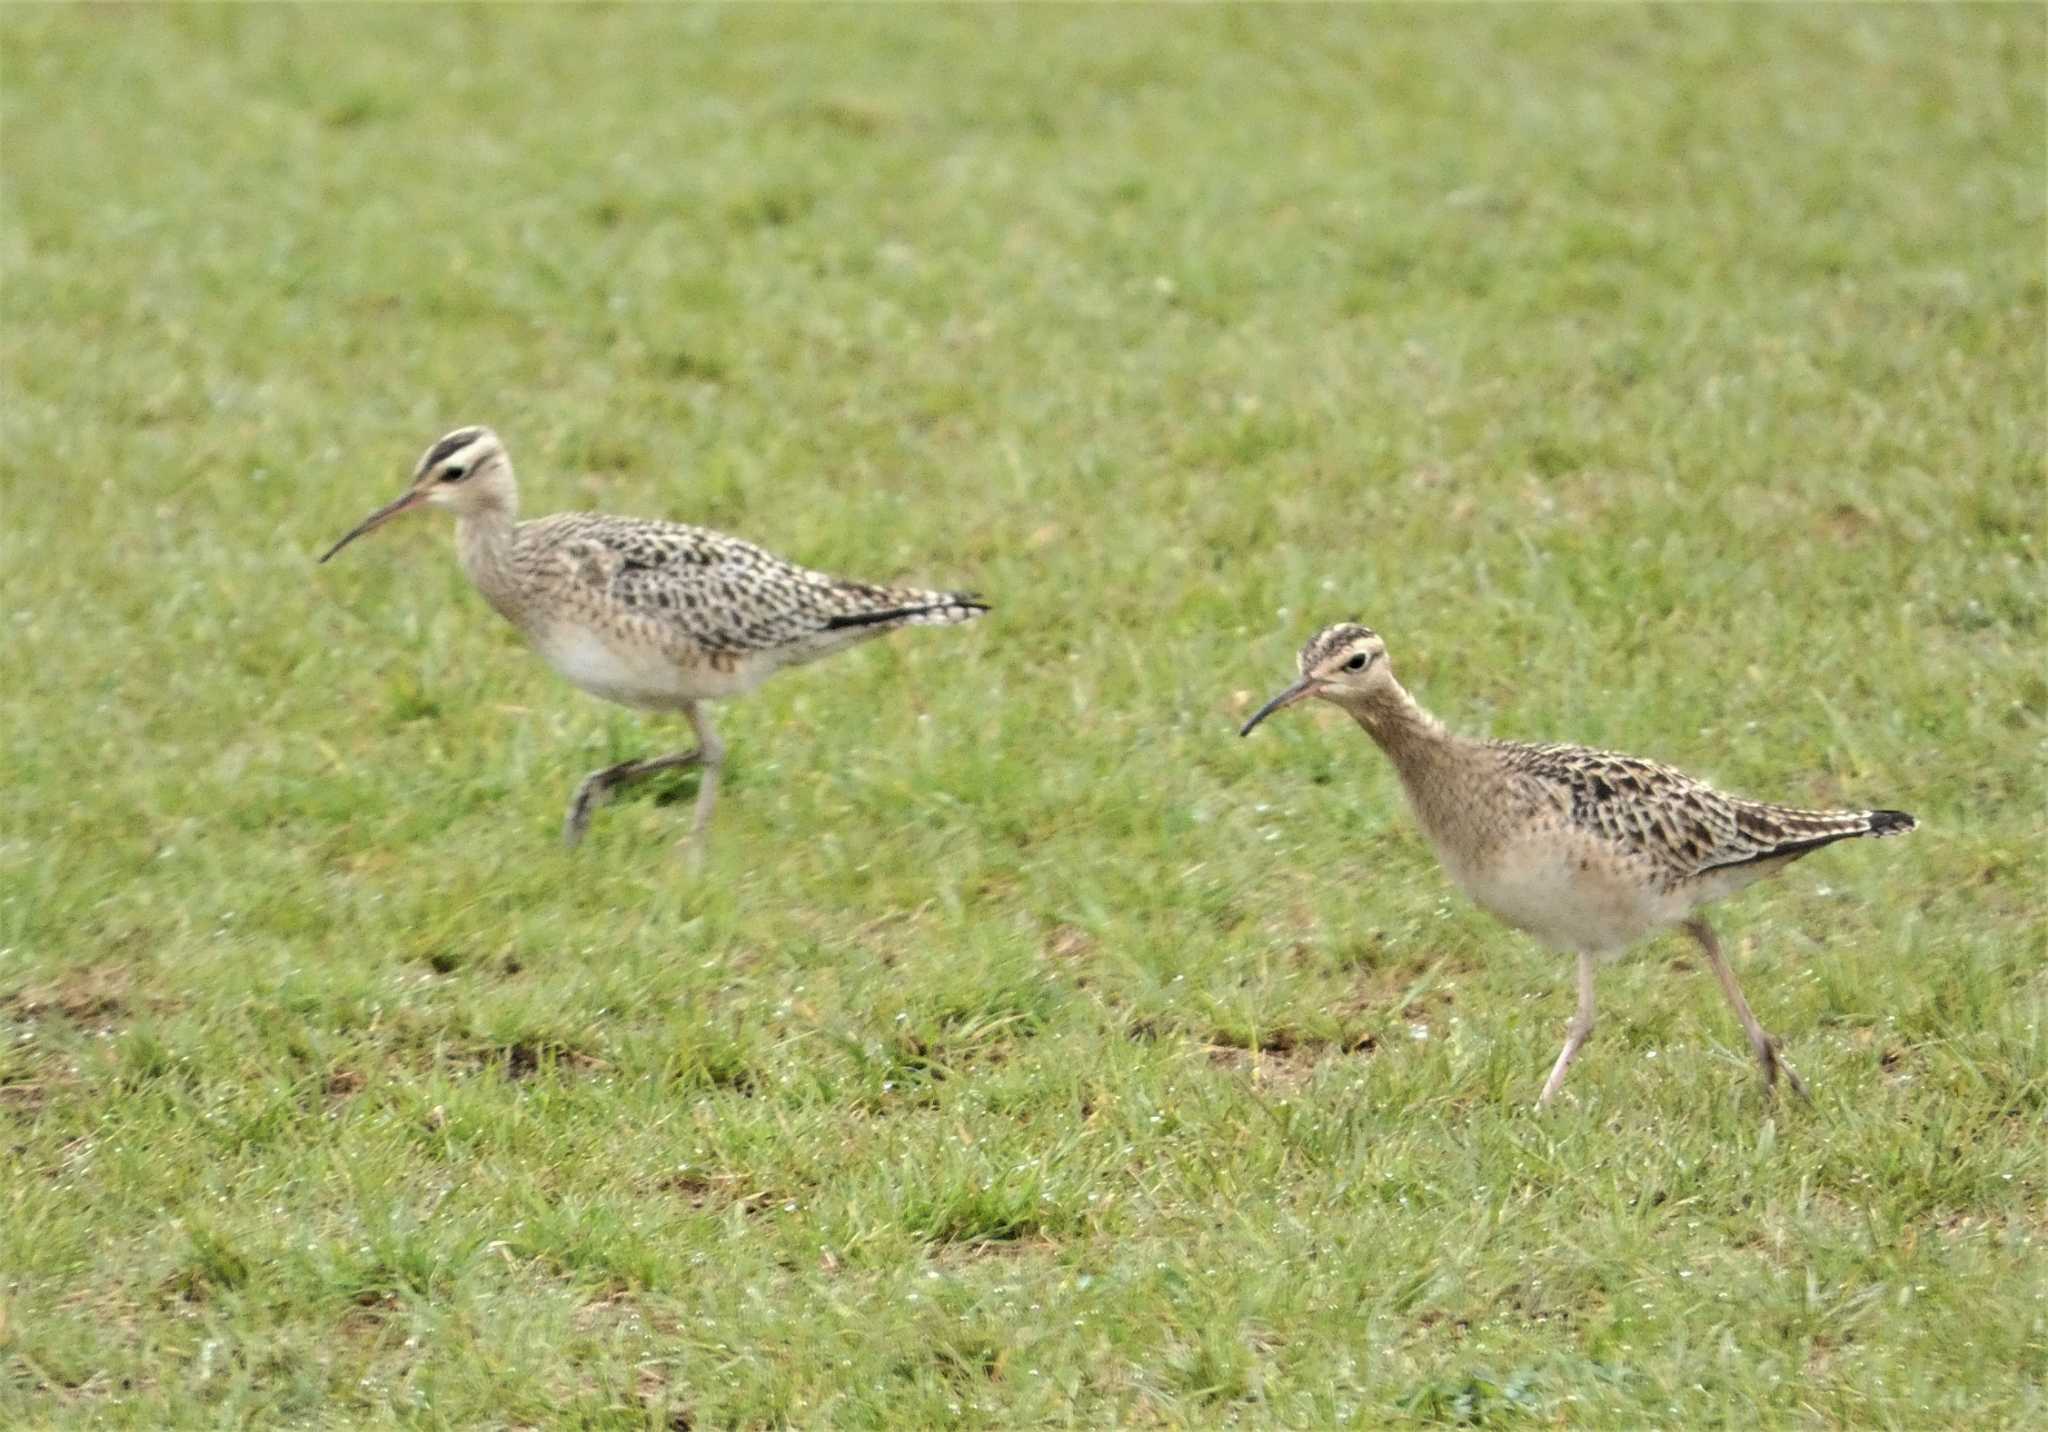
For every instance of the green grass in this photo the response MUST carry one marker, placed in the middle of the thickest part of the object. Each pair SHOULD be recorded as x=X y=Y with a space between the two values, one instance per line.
x=1031 y=1050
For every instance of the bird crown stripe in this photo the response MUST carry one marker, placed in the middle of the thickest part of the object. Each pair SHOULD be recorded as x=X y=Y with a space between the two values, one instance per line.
x=454 y=443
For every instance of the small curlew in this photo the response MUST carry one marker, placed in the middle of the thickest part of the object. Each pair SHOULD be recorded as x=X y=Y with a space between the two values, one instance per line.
x=649 y=614
x=1589 y=851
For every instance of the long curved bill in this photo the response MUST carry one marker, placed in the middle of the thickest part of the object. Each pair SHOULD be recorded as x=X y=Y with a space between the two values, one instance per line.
x=1300 y=691
x=377 y=519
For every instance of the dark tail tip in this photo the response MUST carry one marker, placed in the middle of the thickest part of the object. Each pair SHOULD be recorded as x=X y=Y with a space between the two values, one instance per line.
x=903 y=614
x=1891 y=822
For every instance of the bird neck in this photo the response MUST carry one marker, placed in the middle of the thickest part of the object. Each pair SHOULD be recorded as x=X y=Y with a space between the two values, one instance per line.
x=1396 y=721
x=484 y=536
x=1425 y=754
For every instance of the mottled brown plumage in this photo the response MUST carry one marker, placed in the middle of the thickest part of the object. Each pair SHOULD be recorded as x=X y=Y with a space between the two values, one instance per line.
x=1590 y=851
x=1683 y=830
x=657 y=615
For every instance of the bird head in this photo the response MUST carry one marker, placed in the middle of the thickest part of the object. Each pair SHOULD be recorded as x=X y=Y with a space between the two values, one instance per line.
x=1345 y=662
x=467 y=470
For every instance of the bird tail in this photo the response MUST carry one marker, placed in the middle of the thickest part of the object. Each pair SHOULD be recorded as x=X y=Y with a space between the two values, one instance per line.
x=1785 y=833
x=913 y=609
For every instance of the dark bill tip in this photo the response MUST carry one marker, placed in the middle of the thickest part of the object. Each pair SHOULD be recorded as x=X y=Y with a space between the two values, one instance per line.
x=376 y=519
x=1300 y=690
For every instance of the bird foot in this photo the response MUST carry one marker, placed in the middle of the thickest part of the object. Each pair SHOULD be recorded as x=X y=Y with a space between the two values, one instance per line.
x=1774 y=1064
x=591 y=792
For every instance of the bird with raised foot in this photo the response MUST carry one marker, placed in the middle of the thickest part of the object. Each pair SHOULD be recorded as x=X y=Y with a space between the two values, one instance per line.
x=1589 y=851
x=650 y=614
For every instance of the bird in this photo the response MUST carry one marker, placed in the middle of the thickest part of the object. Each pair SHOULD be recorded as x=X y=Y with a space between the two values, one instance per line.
x=1589 y=851
x=649 y=614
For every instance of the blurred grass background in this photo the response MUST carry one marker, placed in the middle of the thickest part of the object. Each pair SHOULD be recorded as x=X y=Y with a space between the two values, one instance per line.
x=1031 y=1051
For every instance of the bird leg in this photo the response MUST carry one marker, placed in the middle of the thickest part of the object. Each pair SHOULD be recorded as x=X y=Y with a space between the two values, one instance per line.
x=710 y=754
x=596 y=788
x=1765 y=1047
x=1576 y=1036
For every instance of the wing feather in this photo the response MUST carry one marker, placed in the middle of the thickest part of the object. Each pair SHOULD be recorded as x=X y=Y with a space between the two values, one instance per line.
x=729 y=597
x=1683 y=826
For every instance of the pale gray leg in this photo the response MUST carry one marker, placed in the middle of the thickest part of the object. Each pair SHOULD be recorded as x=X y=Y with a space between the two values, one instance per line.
x=711 y=754
x=1764 y=1047
x=597 y=787
x=1576 y=1036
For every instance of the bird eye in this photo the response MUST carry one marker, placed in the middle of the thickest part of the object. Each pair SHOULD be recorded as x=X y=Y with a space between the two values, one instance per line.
x=1357 y=663
x=454 y=472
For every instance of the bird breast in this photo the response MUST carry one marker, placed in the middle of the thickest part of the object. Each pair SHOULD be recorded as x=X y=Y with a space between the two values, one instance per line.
x=635 y=673
x=1568 y=893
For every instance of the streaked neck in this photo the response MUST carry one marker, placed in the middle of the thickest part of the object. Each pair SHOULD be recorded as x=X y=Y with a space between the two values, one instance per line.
x=483 y=542
x=1396 y=721
x=1432 y=762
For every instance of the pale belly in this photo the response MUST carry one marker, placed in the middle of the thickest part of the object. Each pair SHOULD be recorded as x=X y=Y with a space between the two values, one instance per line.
x=635 y=676
x=1569 y=899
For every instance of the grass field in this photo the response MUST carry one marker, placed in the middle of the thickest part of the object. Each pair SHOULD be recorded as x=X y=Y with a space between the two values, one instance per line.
x=1030 y=1050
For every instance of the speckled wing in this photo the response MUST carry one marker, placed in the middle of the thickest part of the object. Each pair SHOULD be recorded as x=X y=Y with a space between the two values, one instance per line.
x=1682 y=826
x=727 y=596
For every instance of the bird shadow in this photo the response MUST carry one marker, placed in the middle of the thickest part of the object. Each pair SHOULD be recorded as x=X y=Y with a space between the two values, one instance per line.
x=672 y=788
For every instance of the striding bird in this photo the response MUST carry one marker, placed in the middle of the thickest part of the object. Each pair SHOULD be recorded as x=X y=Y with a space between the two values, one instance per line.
x=649 y=614
x=1589 y=851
